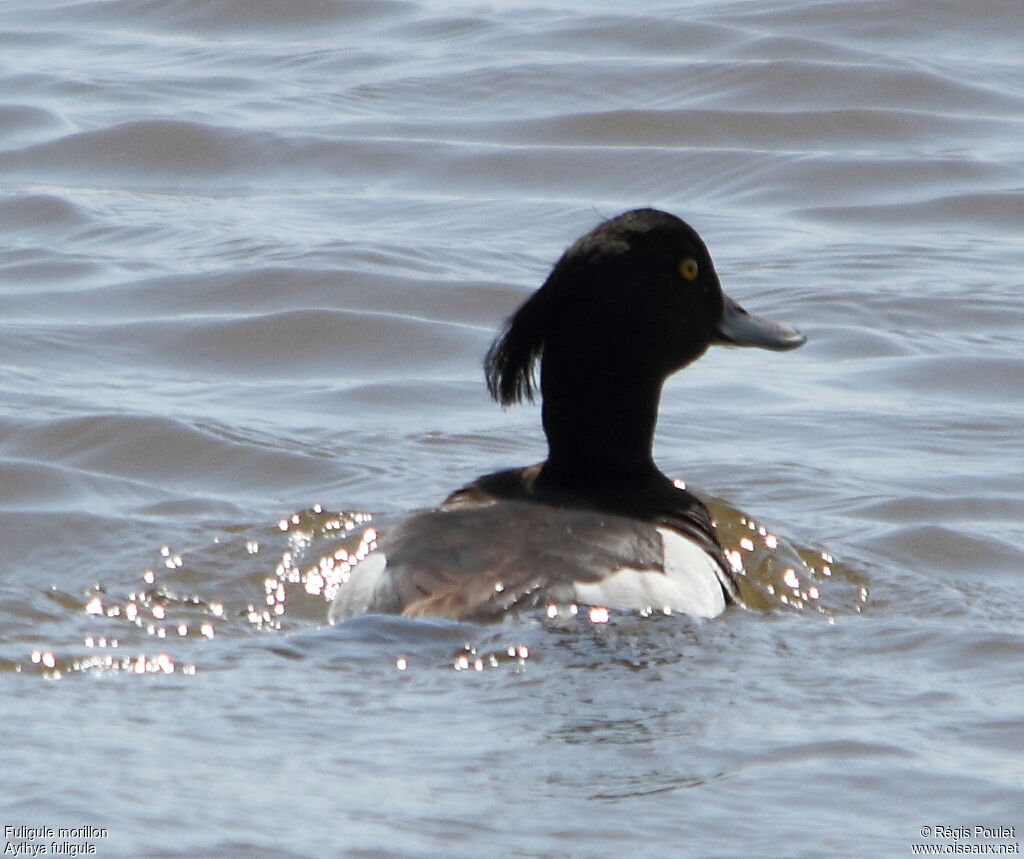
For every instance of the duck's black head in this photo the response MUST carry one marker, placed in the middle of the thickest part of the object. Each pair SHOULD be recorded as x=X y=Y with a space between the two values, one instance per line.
x=639 y=293
x=628 y=304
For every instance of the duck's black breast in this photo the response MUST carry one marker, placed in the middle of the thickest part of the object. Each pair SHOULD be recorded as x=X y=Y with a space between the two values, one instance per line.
x=509 y=543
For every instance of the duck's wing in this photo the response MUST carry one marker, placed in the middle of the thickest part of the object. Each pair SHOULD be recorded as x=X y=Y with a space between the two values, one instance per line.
x=481 y=562
x=498 y=546
x=657 y=501
x=484 y=562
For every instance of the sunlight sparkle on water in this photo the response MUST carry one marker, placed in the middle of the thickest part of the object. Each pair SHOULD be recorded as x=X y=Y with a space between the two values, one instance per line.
x=167 y=614
x=320 y=577
x=468 y=658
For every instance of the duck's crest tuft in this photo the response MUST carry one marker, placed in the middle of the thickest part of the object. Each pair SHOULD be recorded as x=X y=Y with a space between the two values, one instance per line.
x=509 y=364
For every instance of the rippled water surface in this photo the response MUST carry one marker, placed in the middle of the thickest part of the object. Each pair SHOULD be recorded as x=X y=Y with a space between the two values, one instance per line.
x=251 y=254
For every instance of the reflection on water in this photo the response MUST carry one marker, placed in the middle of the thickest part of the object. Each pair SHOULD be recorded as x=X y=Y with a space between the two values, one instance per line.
x=774 y=573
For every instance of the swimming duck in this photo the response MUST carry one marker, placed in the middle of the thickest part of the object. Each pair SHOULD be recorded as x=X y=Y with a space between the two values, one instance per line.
x=627 y=305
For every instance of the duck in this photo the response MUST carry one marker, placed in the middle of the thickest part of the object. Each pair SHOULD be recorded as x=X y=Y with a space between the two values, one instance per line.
x=596 y=524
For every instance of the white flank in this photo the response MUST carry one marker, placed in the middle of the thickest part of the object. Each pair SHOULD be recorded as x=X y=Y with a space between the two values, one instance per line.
x=688 y=585
x=355 y=595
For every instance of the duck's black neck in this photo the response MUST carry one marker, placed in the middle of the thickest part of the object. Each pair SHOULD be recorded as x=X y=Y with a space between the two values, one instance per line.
x=600 y=425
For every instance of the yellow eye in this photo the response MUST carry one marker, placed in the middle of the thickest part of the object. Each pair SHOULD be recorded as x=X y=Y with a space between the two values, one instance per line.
x=688 y=269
